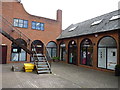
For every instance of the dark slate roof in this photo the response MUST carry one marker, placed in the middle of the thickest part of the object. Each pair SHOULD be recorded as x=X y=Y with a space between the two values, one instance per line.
x=86 y=27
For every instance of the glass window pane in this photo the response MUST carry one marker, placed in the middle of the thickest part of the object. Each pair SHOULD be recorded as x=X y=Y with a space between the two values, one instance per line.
x=49 y=51
x=33 y=25
x=83 y=56
x=15 y=50
x=53 y=52
x=102 y=57
x=15 y=22
x=38 y=26
x=107 y=42
x=14 y=56
x=20 y=23
x=112 y=58
x=42 y=26
x=22 y=55
x=86 y=52
x=25 y=24
x=51 y=44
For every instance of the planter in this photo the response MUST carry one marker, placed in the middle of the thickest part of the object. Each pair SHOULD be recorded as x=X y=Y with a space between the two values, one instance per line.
x=56 y=60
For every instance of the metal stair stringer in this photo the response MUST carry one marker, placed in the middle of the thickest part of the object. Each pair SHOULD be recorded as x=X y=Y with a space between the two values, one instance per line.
x=16 y=42
x=42 y=64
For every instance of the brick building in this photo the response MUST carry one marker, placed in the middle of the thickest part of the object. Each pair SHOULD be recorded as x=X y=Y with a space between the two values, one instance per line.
x=94 y=43
x=28 y=30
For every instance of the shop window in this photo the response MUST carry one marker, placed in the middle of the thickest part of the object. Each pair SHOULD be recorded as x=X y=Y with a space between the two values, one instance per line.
x=18 y=54
x=21 y=23
x=107 y=53
x=86 y=52
x=37 y=25
x=72 y=52
x=62 y=51
x=52 y=49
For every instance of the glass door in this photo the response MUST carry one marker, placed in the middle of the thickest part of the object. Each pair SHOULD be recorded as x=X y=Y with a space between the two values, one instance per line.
x=111 y=58
x=102 y=57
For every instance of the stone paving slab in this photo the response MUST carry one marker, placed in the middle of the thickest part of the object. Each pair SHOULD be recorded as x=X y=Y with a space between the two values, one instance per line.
x=63 y=76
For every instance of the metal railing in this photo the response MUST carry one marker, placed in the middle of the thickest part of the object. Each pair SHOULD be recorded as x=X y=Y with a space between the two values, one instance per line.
x=14 y=32
x=48 y=58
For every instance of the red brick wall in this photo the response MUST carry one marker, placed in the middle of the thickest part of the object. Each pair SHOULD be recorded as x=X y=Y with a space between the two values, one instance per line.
x=51 y=31
x=95 y=41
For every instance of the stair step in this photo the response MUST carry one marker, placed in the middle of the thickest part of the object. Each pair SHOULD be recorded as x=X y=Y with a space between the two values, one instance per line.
x=40 y=55
x=42 y=61
x=42 y=65
x=42 y=68
x=46 y=71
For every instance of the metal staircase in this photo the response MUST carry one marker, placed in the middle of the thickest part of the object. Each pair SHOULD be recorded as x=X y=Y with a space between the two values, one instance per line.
x=10 y=32
x=42 y=65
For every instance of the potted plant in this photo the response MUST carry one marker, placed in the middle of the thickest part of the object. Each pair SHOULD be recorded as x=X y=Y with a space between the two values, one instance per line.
x=56 y=59
x=117 y=70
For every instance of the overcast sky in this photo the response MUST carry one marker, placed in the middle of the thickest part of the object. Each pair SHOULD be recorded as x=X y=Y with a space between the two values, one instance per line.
x=74 y=11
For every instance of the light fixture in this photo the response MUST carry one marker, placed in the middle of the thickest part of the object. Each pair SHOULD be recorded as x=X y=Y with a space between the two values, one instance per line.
x=96 y=35
x=73 y=42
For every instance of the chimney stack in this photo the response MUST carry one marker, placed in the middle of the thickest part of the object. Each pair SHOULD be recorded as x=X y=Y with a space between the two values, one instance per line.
x=59 y=17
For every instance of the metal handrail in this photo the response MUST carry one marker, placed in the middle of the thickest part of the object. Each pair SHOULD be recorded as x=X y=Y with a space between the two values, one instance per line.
x=47 y=56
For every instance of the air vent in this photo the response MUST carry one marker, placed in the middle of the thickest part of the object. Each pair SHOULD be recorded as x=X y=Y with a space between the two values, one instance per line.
x=96 y=22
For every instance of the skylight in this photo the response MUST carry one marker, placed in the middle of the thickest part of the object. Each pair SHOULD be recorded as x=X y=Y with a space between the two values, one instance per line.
x=115 y=17
x=73 y=28
x=96 y=22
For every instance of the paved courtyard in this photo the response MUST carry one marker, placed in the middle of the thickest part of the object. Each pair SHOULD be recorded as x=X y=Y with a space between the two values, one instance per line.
x=63 y=76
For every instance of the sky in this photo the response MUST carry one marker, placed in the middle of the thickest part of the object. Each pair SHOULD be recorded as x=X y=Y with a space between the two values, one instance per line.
x=73 y=11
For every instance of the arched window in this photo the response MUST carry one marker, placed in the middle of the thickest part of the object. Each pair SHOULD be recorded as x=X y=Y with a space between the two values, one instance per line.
x=72 y=52
x=86 y=52
x=18 y=54
x=52 y=49
x=62 y=51
x=37 y=46
x=107 y=53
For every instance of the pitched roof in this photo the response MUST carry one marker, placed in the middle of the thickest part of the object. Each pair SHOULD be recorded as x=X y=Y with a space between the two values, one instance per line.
x=103 y=23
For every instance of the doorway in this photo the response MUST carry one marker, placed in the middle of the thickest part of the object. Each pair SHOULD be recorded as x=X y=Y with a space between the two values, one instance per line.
x=107 y=53
x=72 y=49
x=62 y=51
x=3 y=48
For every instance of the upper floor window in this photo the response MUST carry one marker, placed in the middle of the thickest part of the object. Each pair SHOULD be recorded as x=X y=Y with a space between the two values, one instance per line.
x=37 y=25
x=21 y=23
